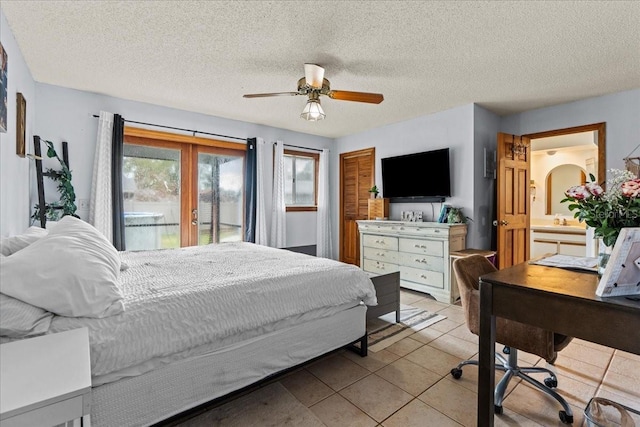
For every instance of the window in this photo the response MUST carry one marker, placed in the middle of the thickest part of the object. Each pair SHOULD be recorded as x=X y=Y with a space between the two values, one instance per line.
x=301 y=180
x=181 y=190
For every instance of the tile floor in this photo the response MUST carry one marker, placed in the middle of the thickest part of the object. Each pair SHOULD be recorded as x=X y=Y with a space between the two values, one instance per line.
x=408 y=384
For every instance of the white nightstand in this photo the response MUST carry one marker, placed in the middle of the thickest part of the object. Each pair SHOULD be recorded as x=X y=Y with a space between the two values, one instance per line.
x=46 y=381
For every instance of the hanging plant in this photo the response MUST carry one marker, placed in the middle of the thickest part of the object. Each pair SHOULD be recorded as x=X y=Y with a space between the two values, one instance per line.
x=67 y=203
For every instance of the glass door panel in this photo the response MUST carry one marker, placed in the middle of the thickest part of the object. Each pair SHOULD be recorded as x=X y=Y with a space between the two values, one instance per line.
x=151 y=187
x=220 y=208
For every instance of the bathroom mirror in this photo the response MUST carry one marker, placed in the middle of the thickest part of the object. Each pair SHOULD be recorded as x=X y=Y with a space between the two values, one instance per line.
x=558 y=181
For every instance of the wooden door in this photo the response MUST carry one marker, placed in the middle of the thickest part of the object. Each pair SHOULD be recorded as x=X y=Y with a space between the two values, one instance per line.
x=514 y=207
x=357 y=172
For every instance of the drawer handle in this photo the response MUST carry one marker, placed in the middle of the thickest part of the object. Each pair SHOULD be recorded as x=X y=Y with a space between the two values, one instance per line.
x=420 y=260
x=423 y=276
x=380 y=242
x=420 y=246
x=380 y=253
x=380 y=267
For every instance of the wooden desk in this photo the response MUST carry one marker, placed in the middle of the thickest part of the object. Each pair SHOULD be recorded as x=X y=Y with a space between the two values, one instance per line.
x=559 y=300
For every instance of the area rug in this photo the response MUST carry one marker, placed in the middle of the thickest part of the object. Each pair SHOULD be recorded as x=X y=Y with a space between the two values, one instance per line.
x=384 y=331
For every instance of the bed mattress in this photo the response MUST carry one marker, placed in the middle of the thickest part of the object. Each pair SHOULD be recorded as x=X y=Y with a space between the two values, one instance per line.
x=179 y=386
x=185 y=302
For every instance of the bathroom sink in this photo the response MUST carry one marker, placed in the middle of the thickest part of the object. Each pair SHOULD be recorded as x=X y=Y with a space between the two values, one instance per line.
x=559 y=227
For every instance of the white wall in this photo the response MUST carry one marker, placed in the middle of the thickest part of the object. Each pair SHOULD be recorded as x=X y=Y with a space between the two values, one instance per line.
x=14 y=170
x=67 y=114
x=453 y=128
x=620 y=111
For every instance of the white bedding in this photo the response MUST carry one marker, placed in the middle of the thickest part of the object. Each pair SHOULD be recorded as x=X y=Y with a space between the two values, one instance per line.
x=202 y=297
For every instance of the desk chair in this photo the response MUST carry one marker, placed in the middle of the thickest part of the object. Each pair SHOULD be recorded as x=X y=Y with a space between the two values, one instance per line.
x=513 y=335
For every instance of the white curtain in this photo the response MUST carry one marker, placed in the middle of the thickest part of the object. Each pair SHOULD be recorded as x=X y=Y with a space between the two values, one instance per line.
x=100 y=203
x=278 y=238
x=261 y=221
x=323 y=238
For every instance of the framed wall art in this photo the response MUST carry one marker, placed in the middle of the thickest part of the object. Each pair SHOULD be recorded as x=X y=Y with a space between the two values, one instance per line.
x=3 y=89
x=21 y=124
x=622 y=274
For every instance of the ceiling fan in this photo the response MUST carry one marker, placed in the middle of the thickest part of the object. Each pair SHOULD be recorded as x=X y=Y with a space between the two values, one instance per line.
x=313 y=84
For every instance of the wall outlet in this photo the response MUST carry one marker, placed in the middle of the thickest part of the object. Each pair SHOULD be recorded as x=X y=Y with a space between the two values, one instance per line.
x=83 y=204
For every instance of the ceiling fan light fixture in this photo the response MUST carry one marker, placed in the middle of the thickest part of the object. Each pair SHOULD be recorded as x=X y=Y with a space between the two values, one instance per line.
x=313 y=111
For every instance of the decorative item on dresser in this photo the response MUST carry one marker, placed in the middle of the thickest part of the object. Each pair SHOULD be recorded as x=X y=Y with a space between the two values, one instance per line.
x=418 y=250
x=378 y=209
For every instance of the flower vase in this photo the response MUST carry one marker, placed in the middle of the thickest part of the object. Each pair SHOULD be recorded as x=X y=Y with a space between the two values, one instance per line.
x=604 y=253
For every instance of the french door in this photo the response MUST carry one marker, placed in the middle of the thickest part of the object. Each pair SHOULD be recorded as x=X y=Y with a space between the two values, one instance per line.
x=181 y=193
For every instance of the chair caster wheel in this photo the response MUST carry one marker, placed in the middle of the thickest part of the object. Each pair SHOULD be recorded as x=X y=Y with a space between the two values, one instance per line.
x=566 y=419
x=551 y=382
x=456 y=373
x=497 y=409
x=506 y=350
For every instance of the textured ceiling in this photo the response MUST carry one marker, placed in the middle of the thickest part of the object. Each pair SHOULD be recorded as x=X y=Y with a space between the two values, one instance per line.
x=202 y=56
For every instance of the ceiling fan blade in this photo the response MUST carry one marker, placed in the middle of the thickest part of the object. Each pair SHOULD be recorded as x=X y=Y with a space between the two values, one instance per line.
x=345 y=95
x=314 y=74
x=265 y=95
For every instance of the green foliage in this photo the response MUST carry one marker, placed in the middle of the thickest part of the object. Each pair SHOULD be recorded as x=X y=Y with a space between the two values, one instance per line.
x=374 y=189
x=66 y=205
x=158 y=178
x=607 y=212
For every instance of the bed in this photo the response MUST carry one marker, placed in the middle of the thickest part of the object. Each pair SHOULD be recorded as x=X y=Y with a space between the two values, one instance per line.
x=202 y=322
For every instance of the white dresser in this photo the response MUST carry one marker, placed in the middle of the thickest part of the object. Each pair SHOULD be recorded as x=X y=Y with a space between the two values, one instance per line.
x=418 y=250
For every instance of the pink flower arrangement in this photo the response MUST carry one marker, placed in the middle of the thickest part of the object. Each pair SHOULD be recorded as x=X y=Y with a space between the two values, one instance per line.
x=607 y=211
x=631 y=188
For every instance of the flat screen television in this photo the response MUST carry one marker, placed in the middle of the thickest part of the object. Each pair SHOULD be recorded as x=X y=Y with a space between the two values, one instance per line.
x=417 y=177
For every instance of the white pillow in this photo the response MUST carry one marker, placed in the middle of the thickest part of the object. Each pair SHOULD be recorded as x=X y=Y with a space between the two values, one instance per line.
x=73 y=271
x=11 y=245
x=19 y=319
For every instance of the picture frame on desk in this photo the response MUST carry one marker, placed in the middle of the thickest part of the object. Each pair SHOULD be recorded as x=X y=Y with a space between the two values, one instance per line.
x=622 y=274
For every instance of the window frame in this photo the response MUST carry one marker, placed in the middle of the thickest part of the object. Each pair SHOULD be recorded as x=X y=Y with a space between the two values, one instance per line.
x=189 y=147
x=316 y=159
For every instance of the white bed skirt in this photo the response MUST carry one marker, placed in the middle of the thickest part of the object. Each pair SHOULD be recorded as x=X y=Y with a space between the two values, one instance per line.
x=182 y=385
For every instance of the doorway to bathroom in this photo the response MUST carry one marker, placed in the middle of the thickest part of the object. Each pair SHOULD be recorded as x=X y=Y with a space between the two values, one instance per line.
x=561 y=159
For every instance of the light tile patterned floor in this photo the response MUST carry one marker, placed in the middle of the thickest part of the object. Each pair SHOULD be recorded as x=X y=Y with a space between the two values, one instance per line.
x=408 y=384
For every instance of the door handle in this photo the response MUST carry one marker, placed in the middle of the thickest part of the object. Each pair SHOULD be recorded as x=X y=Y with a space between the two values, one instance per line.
x=194 y=219
x=502 y=222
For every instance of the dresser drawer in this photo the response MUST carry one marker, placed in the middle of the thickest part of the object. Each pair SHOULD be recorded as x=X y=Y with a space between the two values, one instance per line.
x=426 y=277
x=424 y=247
x=379 y=267
x=422 y=261
x=381 y=255
x=382 y=242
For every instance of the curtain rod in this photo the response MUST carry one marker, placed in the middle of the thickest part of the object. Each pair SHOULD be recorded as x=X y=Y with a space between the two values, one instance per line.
x=182 y=129
x=298 y=146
